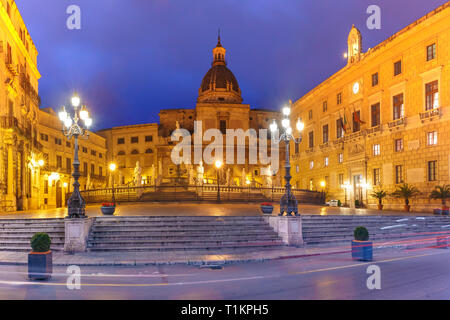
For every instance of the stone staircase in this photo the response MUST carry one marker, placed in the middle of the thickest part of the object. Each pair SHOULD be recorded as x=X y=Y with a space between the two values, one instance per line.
x=339 y=228
x=189 y=233
x=15 y=234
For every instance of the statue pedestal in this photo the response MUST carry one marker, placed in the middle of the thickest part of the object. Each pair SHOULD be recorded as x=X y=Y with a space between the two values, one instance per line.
x=289 y=228
x=77 y=233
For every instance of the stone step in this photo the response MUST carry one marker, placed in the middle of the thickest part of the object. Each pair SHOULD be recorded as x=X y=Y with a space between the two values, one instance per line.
x=96 y=229
x=177 y=219
x=176 y=233
x=27 y=242
x=32 y=230
x=134 y=239
x=183 y=248
x=23 y=248
x=28 y=236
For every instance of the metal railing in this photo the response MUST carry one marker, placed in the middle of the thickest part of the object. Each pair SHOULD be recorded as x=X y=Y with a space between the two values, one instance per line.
x=205 y=192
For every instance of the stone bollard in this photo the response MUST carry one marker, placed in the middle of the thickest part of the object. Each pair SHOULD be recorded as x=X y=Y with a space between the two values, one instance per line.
x=289 y=228
x=77 y=233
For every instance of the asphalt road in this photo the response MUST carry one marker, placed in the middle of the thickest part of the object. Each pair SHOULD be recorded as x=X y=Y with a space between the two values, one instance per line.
x=420 y=274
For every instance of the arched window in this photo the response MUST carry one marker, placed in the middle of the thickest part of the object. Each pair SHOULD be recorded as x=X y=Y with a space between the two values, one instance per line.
x=134 y=152
x=121 y=153
x=149 y=151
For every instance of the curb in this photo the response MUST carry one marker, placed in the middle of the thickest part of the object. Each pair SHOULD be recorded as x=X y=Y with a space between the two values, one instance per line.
x=188 y=262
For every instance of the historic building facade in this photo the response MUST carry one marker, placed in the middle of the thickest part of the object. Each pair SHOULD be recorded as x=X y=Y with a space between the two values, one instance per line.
x=19 y=107
x=382 y=120
x=219 y=106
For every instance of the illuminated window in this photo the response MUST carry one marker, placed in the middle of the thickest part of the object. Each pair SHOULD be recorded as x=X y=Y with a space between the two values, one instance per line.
x=311 y=164
x=398 y=145
x=432 y=95
x=326 y=161
x=398 y=108
x=432 y=138
x=339 y=98
x=376 y=149
x=340 y=157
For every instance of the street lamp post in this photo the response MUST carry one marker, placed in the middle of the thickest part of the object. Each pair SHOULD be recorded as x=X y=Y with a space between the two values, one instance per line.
x=112 y=168
x=218 y=165
x=288 y=202
x=71 y=128
x=323 y=184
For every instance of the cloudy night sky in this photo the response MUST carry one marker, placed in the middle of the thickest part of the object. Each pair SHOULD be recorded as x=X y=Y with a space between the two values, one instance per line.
x=134 y=57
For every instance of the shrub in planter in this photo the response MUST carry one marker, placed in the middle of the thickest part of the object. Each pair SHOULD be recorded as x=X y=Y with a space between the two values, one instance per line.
x=108 y=208
x=406 y=191
x=379 y=195
x=40 y=264
x=266 y=208
x=441 y=193
x=362 y=249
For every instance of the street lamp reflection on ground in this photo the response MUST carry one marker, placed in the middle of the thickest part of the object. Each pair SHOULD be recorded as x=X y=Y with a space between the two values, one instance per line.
x=288 y=202
x=71 y=128
x=218 y=165
x=112 y=168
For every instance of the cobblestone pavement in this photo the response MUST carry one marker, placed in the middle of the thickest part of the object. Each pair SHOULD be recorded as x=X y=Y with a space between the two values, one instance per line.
x=198 y=209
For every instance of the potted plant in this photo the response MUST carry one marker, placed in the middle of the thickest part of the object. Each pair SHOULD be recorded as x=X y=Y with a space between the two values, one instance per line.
x=266 y=208
x=380 y=194
x=108 y=208
x=405 y=191
x=40 y=264
x=362 y=249
x=442 y=193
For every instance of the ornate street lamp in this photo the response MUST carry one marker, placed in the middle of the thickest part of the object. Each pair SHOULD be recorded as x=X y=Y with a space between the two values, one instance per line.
x=218 y=165
x=71 y=128
x=288 y=202
x=112 y=168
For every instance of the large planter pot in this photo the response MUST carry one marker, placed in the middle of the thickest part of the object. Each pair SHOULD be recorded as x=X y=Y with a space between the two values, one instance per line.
x=267 y=209
x=362 y=250
x=380 y=207
x=108 y=211
x=40 y=265
x=407 y=207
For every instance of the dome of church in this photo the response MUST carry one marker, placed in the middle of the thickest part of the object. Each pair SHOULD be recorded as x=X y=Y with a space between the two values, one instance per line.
x=219 y=84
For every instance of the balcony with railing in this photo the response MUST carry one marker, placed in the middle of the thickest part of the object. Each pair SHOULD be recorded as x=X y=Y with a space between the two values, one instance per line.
x=29 y=90
x=430 y=114
x=373 y=130
x=397 y=123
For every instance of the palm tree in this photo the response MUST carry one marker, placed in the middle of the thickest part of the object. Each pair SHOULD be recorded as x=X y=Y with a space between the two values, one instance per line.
x=405 y=191
x=441 y=192
x=380 y=194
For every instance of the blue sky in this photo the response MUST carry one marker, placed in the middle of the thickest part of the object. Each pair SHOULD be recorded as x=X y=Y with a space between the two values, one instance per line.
x=132 y=58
